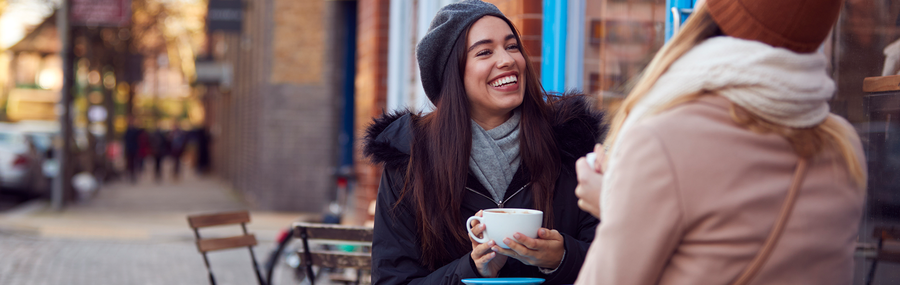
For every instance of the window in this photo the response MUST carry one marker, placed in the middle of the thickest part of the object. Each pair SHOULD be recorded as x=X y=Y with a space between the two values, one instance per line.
x=622 y=37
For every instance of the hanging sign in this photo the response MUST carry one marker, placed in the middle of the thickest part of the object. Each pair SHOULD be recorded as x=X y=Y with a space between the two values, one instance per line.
x=110 y=13
x=225 y=15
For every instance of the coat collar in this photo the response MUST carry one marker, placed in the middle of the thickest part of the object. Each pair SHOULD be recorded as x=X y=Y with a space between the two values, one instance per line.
x=576 y=127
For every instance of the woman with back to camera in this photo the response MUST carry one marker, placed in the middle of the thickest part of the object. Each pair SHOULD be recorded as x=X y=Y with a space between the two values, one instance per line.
x=495 y=139
x=725 y=165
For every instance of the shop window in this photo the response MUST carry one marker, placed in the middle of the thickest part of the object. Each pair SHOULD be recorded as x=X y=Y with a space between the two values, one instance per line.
x=622 y=38
x=597 y=32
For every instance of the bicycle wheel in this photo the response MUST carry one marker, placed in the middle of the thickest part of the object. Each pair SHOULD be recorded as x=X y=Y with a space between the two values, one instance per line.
x=283 y=263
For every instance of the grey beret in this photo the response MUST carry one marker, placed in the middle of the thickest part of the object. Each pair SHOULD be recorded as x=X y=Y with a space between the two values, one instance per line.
x=433 y=51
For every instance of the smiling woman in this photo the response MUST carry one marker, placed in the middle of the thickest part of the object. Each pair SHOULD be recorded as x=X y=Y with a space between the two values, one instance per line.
x=493 y=64
x=494 y=140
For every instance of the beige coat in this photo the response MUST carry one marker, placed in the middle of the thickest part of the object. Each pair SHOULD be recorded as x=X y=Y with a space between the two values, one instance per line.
x=695 y=196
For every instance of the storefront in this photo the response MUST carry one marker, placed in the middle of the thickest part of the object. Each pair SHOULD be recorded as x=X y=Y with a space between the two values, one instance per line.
x=602 y=46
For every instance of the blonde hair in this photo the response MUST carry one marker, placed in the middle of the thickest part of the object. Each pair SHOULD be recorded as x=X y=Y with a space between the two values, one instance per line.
x=806 y=142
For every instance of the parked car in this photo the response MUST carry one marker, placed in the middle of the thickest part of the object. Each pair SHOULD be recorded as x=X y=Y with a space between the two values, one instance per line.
x=16 y=160
x=47 y=138
x=43 y=134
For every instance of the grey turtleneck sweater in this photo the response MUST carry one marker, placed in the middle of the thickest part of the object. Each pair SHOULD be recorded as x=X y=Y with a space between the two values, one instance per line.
x=495 y=155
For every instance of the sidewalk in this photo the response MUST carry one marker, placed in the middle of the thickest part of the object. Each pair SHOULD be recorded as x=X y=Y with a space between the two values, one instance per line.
x=135 y=234
x=145 y=210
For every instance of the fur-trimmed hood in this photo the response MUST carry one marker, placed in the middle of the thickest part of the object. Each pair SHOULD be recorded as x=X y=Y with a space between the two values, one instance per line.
x=576 y=128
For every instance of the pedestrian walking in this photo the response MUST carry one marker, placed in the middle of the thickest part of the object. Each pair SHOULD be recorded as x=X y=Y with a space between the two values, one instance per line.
x=160 y=146
x=132 y=149
x=725 y=165
x=495 y=139
x=201 y=139
x=178 y=139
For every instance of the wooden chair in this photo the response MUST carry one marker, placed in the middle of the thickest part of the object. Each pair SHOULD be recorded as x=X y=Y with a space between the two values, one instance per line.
x=881 y=83
x=882 y=234
x=336 y=235
x=882 y=98
x=205 y=245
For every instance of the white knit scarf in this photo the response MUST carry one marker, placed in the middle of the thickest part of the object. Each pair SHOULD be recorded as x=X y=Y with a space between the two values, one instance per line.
x=776 y=84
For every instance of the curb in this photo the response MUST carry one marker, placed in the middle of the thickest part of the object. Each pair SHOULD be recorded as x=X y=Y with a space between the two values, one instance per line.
x=19 y=230
x=34 y=218
x=25 y=209
x=7 y=218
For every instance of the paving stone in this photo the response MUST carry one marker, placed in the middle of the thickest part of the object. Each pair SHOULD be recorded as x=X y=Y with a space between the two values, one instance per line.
x=135 y=234
x=29 y=260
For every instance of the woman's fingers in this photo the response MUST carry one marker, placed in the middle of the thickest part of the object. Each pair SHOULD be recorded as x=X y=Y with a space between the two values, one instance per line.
x=523 y=245
x=601 y=157
x=545 y=251
x=482 y=255
x=481 y=250
x=476 y=222
x=583 y=170
x=508 y=252
x=550 y=235
x=580 y=192
x=529 y=243
x=590 y=183
x=477 y=230
x=476 y=246
x=587 y=207
x=487 y=258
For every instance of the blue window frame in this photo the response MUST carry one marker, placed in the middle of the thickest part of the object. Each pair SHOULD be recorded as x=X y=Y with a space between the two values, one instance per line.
x=680 y=8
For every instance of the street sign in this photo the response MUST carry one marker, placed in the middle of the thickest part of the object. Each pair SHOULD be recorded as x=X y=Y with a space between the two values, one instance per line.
x=225 y=15
x=112 y=13
x=214 y=72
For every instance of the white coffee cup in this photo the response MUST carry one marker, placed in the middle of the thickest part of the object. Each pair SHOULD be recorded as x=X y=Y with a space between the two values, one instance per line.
x=503 y=223
x=591 y=157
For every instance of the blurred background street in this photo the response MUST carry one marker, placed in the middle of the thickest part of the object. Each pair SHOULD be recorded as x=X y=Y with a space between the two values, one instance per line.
x=132 y=234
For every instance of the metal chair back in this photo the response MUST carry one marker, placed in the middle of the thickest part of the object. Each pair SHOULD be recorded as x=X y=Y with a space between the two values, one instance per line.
x=205 y=245
x=330 y=258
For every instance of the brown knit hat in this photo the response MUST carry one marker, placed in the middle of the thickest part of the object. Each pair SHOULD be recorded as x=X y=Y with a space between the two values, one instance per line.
x=797 y=25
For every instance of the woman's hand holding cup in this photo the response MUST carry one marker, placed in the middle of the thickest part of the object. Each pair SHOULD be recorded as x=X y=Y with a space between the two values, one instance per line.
x=515 y=233
x=545 y=251
x=486 y=260
x=590 y=180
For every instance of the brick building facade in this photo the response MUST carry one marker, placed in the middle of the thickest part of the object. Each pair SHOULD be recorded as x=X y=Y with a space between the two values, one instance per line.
x=275 y=127
x=371 y=95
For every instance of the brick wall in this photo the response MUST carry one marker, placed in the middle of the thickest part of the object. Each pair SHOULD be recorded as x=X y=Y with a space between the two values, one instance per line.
x=527 y=16
x=275 y=131
x=235 y=138
x=371 y=94
x=299 y=124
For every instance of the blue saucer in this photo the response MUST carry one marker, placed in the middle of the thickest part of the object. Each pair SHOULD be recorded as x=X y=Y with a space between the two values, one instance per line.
x=515 y=280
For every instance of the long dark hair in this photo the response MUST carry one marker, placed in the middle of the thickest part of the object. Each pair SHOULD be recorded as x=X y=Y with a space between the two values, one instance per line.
x=439 y=163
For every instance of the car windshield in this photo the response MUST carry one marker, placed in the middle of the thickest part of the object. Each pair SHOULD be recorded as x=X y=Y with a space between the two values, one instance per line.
x=9 y=140
x=41 y=142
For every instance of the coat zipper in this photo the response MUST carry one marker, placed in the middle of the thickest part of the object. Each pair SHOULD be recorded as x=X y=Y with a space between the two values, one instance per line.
x=502 y=203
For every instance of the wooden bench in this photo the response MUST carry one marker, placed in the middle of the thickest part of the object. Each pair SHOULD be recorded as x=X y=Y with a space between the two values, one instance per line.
x=361 y=260
x=205 y=245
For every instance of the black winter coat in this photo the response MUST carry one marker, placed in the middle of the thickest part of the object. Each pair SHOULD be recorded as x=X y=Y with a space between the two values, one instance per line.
x=395 y=251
